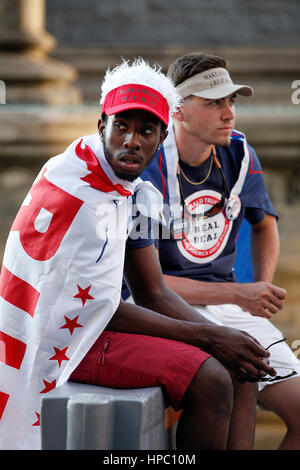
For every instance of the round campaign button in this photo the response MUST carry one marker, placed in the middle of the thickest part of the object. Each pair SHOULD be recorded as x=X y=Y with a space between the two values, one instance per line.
x=233 y=207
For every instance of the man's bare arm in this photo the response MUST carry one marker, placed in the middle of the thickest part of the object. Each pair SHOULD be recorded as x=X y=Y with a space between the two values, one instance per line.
x=237 y=350
x=145 y=280
x=163 y=313
x=261 y=298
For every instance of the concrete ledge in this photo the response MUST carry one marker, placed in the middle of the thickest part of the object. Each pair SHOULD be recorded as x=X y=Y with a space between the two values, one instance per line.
x=79 y=416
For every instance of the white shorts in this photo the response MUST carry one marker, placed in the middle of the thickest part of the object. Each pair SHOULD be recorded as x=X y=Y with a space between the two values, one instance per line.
x=281 y=356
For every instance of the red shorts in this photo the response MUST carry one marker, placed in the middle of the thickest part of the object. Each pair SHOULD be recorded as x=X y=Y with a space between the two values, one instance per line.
x=125 y=360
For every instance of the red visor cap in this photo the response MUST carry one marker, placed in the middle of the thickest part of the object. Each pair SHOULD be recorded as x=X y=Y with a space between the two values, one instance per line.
x=135 y=96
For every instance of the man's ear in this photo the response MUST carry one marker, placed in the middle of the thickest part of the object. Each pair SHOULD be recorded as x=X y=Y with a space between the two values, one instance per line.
x=101 y=127
x=163 y=136
x=179 y=114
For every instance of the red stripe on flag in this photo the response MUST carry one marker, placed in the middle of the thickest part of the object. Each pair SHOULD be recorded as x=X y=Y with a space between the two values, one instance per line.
x=12 y=350
x=18 y=292
x=3 y=400
x=97 y=178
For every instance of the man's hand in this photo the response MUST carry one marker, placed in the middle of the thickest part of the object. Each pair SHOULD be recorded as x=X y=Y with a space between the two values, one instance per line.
x=262 y=299
x=240 y=352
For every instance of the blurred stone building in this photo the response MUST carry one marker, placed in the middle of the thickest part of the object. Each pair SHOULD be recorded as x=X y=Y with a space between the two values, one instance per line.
x=52 y=59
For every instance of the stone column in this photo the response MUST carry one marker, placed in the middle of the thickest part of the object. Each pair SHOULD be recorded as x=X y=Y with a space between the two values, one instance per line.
x=31 y=77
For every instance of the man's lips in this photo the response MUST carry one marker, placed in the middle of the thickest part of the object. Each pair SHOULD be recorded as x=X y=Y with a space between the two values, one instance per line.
x=225 y=129
x=130 y=160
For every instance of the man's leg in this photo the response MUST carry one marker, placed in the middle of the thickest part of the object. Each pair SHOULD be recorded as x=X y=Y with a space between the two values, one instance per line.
x=243 y=417
x=284 y=399
x=207 y=408
x=218 y=411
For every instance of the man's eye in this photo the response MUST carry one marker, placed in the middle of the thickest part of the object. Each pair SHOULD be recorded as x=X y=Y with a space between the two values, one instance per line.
x=148 y=130
x=120 y=125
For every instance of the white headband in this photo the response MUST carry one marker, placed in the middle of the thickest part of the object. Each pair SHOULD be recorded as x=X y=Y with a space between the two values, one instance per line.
x=212 y=84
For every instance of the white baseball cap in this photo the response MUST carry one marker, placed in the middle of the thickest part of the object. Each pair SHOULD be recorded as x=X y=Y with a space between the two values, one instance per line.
x=212 y=84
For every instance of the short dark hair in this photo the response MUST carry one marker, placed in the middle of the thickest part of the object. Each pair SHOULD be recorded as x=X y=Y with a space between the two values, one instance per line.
x=190 y=64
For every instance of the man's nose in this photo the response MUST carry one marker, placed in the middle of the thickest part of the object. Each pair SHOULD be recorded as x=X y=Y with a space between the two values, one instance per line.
x=228 y=112
x=132 y=140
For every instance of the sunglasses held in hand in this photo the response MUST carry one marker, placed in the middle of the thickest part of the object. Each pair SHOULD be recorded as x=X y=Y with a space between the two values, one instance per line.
x=282 y=372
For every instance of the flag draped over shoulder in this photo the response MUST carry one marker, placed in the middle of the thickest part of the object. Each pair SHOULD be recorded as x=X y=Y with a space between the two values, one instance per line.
x=60 y=281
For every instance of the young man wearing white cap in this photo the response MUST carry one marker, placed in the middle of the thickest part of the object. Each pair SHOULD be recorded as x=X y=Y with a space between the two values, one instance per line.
x=211 y=180
x=61 y=281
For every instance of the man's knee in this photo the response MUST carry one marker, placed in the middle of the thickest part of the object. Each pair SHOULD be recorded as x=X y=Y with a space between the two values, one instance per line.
x=212 y=382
